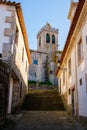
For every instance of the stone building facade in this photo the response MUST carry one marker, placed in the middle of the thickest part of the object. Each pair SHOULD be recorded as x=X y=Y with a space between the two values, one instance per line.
x=44 y=59
x=14 y=51
x=37 y=68
x=72 y=73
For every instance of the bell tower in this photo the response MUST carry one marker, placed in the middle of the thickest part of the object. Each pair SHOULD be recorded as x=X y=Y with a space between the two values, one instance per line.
x=47 y=42
x=46 y=38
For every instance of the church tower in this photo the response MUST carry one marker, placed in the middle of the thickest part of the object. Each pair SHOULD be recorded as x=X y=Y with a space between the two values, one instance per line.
x=47 y=42
x=47 y=39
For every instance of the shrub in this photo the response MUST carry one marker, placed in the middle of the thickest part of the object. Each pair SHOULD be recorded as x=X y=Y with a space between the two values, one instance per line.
x=46 y=83
x=31 y=82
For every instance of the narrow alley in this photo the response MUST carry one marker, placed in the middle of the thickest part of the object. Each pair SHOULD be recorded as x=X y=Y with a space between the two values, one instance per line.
x=44 y=110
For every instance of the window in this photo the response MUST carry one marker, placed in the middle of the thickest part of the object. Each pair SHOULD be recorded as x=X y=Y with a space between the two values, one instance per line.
x=35 y=62
x=51 y=72
x=69 y=67
x=0 y=55
x=35 y=75
x=69 y=91
x=80 y=81
x=16 y=36
x=53 y=39
x=47 y=38
x=40 y=41
x=63 y=77
x=22 y=54
x=86 y=39
x=21 y=90
x=60 y=86
x=80 y=51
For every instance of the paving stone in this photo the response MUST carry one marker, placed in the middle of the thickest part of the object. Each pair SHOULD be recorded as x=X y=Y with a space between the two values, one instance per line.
x=44 y=113
x=46 y=120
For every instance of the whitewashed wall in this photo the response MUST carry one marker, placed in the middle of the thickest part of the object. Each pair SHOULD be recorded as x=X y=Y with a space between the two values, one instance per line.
x=3 y=25
x=82 y=71
x=4 y=12
x=21 y=65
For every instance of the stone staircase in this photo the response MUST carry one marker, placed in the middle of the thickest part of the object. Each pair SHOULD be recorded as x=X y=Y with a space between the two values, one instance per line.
x=43 y=100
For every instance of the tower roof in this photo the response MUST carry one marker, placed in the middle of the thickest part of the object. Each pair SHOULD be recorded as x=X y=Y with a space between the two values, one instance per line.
x=47 y=27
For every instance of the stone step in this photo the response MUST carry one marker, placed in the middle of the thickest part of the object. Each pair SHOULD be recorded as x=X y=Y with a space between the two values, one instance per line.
x=43 y=100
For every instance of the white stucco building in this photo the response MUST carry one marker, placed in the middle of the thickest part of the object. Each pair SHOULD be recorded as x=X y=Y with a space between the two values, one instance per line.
x=14 y=50
x=72 y=73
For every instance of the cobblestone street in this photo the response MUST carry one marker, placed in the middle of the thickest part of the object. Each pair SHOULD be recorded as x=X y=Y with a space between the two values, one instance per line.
x=47 y=120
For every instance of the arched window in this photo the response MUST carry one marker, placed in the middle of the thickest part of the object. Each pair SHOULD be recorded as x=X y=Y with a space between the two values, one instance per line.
x=53 y=39
x=47 y=38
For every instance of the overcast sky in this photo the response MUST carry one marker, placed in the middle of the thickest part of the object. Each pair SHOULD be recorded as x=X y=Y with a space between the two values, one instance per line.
x=38 y=12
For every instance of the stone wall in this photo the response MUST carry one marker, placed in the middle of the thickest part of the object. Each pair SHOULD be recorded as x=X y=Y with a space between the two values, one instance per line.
x=4 y=84
x=37 y=71
x=41 y=87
